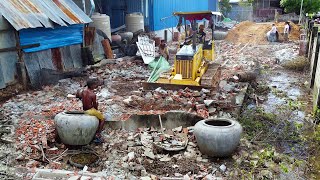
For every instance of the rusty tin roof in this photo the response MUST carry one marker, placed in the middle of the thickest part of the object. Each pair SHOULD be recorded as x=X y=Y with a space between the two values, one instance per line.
x=23 y=14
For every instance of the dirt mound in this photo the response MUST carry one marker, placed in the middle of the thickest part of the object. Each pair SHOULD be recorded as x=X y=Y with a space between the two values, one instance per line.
x=255 y=33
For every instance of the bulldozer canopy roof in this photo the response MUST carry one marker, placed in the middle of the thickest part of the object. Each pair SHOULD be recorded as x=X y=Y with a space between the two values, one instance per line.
x=199 y=15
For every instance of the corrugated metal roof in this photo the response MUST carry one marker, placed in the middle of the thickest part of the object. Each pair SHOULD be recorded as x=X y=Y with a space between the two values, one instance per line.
x=41 y=13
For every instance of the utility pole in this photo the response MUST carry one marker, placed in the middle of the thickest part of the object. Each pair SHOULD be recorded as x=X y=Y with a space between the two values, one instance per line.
x=300 y=12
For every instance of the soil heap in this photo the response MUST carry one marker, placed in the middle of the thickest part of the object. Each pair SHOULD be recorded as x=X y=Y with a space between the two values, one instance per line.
x=255 y=33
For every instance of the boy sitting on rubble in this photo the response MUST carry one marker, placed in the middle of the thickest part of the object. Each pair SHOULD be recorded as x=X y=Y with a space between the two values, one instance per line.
x=90 y=105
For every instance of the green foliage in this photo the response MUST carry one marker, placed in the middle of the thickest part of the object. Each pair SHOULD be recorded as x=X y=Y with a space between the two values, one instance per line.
x=257 y=121
x=225 y=7
x=245 y=3
x=284 y=167
x=309 y=6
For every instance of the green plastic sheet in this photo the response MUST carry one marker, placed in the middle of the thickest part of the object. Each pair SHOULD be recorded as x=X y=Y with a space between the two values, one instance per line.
x=159 y=66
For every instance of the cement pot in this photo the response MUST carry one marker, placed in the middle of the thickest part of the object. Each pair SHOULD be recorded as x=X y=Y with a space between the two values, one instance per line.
x=76 y=128
x=218 y=137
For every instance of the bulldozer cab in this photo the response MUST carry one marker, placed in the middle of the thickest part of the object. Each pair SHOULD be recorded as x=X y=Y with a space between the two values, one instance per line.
x=196 y=34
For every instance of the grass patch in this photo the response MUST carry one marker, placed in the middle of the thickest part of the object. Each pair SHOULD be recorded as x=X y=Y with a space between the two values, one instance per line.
x=256 y=121
x=298 y=64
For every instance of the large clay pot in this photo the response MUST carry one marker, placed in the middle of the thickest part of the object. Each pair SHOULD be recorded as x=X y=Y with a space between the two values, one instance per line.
x=126 y=36
x=76 y=129
x=218 y=137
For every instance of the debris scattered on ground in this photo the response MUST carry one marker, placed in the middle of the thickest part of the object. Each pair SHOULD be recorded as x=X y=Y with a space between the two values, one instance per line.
x=154 y=153
x=286 y=55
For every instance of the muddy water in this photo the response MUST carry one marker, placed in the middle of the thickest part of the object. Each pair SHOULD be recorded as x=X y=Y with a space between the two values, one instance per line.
x=286 y=87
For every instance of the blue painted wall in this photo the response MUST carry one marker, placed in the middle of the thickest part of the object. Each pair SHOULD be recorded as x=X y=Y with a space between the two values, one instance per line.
x=117 y=10
x=213 y=5
x=154 y=10
x=165 y=8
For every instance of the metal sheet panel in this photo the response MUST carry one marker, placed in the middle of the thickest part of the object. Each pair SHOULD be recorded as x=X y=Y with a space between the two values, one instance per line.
x=97 y=46
x=142 y=6
x=134 y=6
x=71 y=57
x=67 y=61
x=8 y=62
x=160 y=12
x=34 y=62
x=2 y=83
x=4 y=25
x=75 y=53
x=72 y=7
x=38 y=13
x=8 y=59
x=52 y=11
x=51 y=38
x=33 y=68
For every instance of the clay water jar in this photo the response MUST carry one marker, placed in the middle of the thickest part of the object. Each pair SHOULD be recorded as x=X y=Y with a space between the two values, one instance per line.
x=76 y=128
x=218 y=137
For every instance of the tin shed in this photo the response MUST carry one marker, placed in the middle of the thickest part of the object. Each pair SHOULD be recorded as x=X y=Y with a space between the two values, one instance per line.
x=50 y=34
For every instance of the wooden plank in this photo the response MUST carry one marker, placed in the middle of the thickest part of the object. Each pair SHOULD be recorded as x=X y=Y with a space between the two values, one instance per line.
x=19 y=48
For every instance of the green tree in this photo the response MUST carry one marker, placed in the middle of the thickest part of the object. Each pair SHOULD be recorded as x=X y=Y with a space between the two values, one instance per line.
x=225 y=7
x=309 y=6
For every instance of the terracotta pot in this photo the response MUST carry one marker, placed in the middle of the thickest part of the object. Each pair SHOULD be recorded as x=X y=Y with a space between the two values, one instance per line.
x=218 y=137
x=76 y=129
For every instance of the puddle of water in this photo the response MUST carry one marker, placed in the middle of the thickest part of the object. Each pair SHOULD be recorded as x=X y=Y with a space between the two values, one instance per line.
x=272 y=103
x=282 y=83
x=298 y=116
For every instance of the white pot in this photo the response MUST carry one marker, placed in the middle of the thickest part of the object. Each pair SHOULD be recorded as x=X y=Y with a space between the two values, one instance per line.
x=76 y=129
x=218 y=137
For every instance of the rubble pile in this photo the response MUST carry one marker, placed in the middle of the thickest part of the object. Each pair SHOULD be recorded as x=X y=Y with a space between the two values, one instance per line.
x=156 y=153
x=199 y=102
x=255 y=33
x=246 y=57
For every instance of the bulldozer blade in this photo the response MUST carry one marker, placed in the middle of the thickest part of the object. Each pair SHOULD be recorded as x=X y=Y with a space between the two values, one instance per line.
x=153 y=86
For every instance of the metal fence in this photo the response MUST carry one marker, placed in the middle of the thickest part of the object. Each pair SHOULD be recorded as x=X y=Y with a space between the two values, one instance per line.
x=241 y=12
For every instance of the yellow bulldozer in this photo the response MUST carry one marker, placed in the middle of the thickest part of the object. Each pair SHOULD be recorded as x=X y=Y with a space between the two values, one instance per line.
x=194 y=62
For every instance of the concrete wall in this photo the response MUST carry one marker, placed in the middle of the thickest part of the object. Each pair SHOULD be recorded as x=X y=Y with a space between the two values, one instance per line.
x=316 y=87
x=170 y=120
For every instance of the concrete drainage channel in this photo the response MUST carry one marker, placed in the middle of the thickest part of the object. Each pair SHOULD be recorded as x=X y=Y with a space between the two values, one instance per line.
x=169 y=120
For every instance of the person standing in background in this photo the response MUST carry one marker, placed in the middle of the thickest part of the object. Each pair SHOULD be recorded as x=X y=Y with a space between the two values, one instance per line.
x=286 y=32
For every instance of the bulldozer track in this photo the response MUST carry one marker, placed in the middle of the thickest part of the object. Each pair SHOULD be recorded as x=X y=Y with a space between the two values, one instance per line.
x=212 y=76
